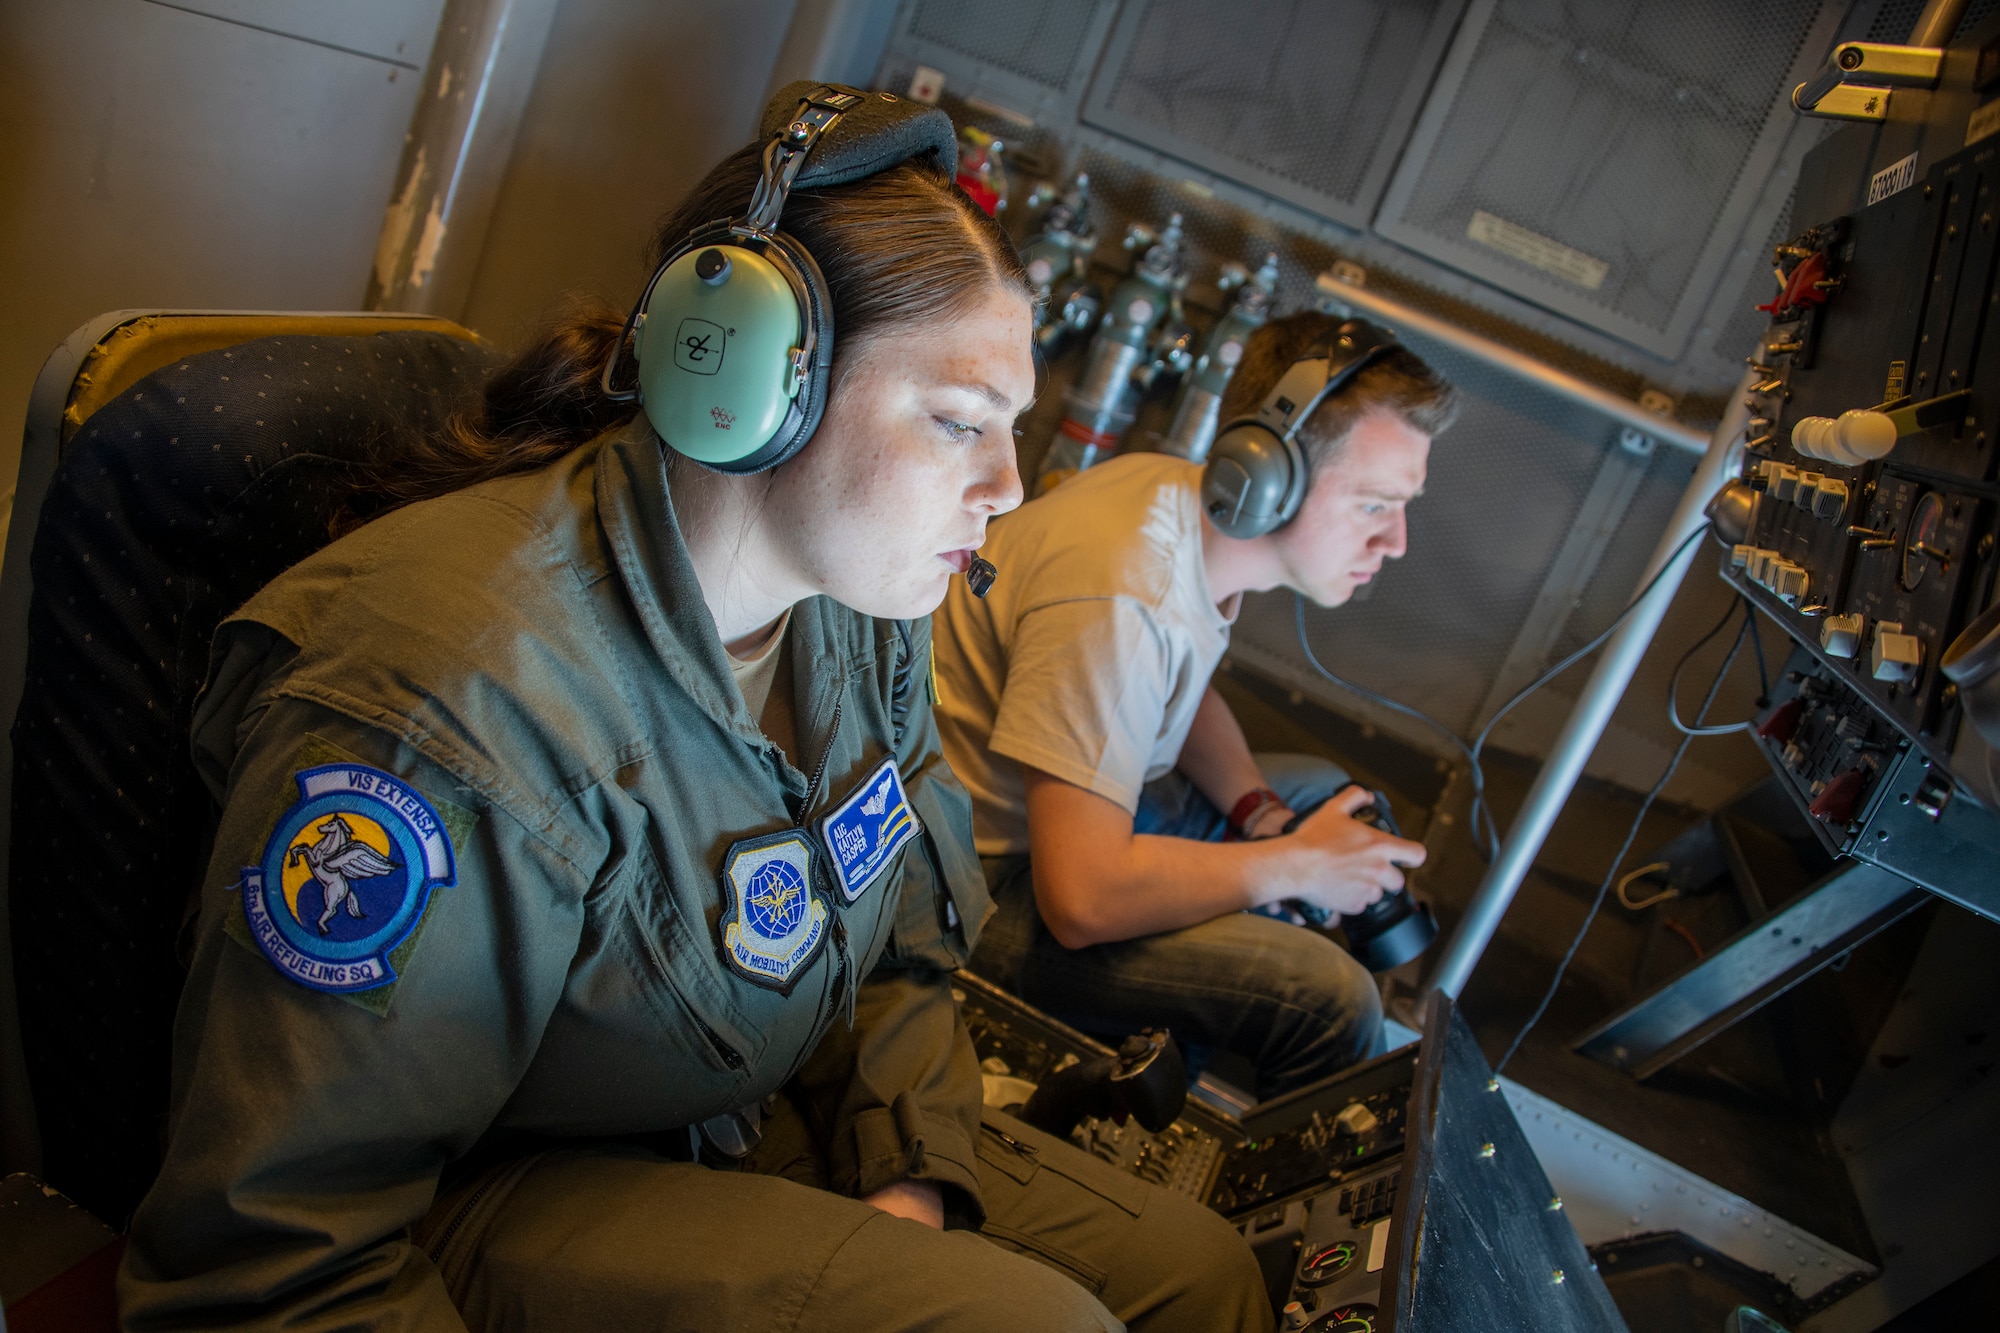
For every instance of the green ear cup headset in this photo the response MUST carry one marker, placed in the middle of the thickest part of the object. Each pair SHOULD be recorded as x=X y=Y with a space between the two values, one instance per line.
x=733 y=337
x=1256 y=474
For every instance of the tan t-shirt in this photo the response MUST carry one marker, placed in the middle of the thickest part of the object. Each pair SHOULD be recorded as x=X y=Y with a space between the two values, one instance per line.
x=755 y=675
x=1088 y=658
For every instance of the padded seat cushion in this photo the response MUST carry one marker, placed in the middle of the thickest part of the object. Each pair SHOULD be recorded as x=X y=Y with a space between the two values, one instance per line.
x=170 y=507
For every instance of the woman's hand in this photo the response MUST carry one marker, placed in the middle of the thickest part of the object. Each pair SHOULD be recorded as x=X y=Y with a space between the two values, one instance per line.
x=918 y=1200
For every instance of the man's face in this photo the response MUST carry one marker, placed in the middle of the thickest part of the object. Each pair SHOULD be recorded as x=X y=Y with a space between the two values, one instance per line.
x=1352 y=518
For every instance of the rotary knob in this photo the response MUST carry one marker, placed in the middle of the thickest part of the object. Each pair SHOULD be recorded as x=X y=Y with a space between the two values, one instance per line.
x=1829 y=499
x=1840 y=636
x=1895 y=656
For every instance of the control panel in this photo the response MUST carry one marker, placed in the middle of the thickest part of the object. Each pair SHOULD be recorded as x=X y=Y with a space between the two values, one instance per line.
x=1309 y=1178
x=1871 y=460
x=1869 y=792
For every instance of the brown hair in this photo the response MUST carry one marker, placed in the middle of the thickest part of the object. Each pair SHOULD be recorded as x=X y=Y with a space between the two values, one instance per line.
x=898 y=248
x=1400 y=383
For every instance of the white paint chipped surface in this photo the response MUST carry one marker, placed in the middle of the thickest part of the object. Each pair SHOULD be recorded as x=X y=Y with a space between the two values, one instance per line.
x=1611 y=1187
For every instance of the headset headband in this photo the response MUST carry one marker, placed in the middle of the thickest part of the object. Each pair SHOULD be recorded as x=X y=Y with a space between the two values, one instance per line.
x=1326 y=368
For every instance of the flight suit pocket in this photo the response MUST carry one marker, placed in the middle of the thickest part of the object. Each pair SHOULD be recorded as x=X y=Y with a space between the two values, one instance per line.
x=1021 y=1153
x=1052 y=1202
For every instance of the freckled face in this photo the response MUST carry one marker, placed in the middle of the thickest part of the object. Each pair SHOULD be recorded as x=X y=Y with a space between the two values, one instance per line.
x=914 y=455
x=1352 y=519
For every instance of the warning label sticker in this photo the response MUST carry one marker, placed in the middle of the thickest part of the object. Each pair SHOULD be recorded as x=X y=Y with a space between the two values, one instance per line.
x=1543 y=252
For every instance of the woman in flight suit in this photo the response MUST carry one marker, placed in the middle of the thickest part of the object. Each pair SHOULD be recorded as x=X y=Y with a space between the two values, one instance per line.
x=575 y=949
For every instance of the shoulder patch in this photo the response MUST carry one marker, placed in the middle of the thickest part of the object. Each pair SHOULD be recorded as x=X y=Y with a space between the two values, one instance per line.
x=865 y=831
x=773 y=923
x=345 y=877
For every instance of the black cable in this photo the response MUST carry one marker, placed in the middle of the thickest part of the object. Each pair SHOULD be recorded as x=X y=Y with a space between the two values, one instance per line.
x=1742 y=604
x=1481 y=812
x=1299 y=619
x=1763 y=673
x=1485 y=830
x=1631 y=835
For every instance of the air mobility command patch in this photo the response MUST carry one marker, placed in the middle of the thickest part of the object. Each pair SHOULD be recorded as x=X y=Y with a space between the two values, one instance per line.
x=345 y=877
x=865 y=831
x=772 y=922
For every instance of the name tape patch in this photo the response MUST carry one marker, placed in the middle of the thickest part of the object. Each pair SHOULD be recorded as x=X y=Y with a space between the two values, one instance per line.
x=864 y=832
x=345 y=876
x=773 y=924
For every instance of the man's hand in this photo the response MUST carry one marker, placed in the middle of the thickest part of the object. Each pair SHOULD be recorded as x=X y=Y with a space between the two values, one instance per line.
x=1343 y=864
x=918 y=1200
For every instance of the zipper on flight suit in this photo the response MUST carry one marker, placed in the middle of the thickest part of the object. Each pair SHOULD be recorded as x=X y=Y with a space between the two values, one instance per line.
x=729 y=1054
x=844 y=982
x=840 y=958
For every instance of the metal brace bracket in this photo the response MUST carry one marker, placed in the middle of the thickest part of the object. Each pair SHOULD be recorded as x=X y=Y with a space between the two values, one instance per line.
x=1858 y=77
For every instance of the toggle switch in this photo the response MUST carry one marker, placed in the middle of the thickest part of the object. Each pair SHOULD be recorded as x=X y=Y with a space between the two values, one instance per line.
x=1784 y=481
x=1783 y=721
x=1840 y=636
x=1894 y=656
x=1836 y=802
x=1806 y=488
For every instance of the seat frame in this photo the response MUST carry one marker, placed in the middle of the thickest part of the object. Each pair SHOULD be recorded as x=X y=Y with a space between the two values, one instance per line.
x=90 y=368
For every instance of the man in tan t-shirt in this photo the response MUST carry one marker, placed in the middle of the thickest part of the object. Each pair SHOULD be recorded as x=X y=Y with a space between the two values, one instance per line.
x=1105 y=771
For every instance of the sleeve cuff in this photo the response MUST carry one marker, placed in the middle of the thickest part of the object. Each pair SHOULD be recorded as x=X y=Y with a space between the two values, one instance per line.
x=905 y=1142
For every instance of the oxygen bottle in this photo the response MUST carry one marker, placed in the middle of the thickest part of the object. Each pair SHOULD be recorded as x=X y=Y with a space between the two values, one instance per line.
x=1099 y=407
x=1057 y=258
x=1200 y=405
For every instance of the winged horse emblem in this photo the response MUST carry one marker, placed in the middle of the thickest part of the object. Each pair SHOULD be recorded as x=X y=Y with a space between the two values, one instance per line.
x=336 y=859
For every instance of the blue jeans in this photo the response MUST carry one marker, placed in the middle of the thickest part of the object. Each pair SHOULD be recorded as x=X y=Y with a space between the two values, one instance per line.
x=1289 y=1000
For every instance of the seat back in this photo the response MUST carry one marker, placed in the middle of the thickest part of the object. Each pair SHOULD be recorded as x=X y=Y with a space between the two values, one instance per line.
x=173 y=464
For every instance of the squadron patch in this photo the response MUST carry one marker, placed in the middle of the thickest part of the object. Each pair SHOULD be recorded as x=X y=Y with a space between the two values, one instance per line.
x=772 y=922
x=866 y=830
x=345 y=877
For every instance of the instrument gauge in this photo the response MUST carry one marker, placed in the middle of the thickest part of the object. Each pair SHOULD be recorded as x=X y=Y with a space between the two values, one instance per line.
x=1920 y=542
x=1356 y=1318
x=1327 y=1263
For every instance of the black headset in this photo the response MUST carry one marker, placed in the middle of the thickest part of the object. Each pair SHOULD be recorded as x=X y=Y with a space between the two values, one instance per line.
x=1256 y=474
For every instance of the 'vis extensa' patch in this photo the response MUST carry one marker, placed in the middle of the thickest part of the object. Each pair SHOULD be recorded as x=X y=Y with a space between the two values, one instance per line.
x=345 y=877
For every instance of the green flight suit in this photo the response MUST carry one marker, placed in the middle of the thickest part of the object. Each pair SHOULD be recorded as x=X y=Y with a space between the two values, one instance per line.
x=489 y=1140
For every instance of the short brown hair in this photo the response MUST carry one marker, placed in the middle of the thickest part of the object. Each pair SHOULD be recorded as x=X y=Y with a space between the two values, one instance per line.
x=1401 y=383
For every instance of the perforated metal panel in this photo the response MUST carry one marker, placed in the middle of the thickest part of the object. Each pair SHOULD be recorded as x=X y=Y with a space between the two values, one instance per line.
x=1895 y=18
x=1505 y=485
x=1600 y=157
x=1307 y=100
x=1039 y=40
